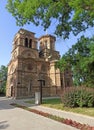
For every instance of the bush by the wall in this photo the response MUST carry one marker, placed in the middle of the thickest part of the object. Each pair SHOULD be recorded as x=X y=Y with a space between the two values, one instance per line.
x=78 y=97
x=2 y=90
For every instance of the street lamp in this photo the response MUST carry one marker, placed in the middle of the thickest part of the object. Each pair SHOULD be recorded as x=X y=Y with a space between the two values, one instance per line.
x=42 y=82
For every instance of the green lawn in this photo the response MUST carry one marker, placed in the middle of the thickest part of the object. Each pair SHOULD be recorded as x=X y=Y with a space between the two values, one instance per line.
x=57 y=104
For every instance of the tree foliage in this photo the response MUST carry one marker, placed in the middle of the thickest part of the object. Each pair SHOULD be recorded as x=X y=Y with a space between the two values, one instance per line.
x=70 y=15
x=81 y=60
x=3 y=78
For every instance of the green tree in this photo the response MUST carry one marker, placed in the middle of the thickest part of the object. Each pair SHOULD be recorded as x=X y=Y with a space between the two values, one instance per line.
x=70 y=15
x=81 y=60
x=3 y=78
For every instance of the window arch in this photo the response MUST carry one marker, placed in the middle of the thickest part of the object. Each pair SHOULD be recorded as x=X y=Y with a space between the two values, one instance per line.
x=45 y=43
x=30 y=43
x=26 y=42
x=29 y=66
x=30 y=85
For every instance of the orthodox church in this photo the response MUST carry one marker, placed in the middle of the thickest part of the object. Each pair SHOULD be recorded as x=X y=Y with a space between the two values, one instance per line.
x=31 y=67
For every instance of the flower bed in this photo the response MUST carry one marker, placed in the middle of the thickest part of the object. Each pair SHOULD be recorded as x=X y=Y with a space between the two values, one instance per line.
x=62 y=120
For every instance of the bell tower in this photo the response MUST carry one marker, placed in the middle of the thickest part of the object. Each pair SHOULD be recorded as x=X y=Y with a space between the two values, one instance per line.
x=47 y=48
x=22 y=66
x=24 y=41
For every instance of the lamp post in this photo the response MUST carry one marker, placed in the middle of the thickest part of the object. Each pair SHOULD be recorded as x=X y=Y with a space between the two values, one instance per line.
x=42 y=82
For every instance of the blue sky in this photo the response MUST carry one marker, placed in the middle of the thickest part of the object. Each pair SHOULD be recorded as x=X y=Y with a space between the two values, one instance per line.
x=8 y=29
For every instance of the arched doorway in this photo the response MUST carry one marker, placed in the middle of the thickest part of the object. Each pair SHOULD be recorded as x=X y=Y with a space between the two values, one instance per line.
x=12 y=91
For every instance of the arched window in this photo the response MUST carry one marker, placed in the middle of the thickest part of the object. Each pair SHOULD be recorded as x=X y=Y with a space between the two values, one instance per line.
x=29 y=66
x=30 y=43
x=61 y=82
x=26 y=42
x=30 y=85
x=52 y=45
x=40 y=47
x=68 y=83
x=46 y=44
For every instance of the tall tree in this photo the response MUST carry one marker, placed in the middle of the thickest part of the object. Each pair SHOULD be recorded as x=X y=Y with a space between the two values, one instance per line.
x=70 y=15
x=81 y=60
x=3 y=78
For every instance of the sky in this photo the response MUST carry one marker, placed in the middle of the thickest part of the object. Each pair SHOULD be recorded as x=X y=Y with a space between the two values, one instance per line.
x=8 y=29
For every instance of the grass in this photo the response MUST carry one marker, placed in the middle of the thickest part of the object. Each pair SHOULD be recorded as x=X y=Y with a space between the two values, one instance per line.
x=57 y=104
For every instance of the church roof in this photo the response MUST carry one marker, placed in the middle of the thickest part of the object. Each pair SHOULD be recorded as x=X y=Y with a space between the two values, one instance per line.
x=48 y=35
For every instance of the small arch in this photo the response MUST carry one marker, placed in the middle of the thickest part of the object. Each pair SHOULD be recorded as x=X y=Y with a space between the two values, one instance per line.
x=30 y=43
x=45 y=43
x=26 y=42
x=30 y=85
x=68 y=83
x=29 y=66
x=61 y=82
x=12 y=91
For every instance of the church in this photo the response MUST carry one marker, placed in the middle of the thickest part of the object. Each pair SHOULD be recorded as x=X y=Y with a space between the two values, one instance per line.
x=33 y=64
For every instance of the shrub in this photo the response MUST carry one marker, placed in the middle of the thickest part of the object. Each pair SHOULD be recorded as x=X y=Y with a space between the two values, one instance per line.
x=2 y=90
x=78 y=97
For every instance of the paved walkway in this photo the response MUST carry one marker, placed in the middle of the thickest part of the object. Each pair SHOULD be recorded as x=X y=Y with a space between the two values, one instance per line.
x=69 y=115
x=12 y=118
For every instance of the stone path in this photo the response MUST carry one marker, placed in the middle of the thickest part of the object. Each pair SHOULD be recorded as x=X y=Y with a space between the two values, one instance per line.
x=70 y=115
x=12 y=118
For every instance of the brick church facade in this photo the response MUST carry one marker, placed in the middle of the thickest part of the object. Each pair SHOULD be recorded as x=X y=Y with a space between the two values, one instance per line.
x=29 y=65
